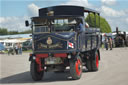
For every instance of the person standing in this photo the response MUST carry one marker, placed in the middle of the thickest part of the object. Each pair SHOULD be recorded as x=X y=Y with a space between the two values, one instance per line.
x=16 y=48
x=20 y=48
x=110 y=43
x=106 y=43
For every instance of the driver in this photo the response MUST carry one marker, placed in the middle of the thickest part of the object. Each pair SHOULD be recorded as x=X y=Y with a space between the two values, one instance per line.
x=80 y=25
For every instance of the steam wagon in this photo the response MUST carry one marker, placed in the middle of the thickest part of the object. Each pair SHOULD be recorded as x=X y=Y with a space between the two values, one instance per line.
x=62 y=38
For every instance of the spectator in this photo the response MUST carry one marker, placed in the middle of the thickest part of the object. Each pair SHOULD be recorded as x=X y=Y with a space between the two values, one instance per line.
x=110 y=43
x=16 y=48
x=20 y=48
x=106 y=43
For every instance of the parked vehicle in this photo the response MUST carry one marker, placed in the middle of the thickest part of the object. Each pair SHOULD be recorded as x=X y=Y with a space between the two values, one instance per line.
x=121 y=39
x=2 y=48
x=11 y=51
x=59 y=41
x=27 y=45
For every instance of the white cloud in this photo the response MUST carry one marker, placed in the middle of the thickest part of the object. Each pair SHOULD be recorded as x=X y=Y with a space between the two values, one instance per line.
x=108 y=2
x=13 y=23
x=111 y=12
x=120 y=22
x=115 y=18
x=127 y=20
x=33 y=9
x=117 y=22
x=78 y=3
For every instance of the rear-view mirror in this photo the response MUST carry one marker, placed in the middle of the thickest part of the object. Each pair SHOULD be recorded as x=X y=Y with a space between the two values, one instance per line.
x=26 y=23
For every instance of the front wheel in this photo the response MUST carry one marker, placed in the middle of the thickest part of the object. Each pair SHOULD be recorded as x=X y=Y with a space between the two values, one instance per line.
x=76 y=68
x=36 y=75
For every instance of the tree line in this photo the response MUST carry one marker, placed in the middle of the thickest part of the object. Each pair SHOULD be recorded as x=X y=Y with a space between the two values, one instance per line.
x=4 y=31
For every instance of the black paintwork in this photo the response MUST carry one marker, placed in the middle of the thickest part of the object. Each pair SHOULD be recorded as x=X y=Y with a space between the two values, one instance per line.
x=59 y=39
x=62 y=10
x=66 y=10
x=84 y=42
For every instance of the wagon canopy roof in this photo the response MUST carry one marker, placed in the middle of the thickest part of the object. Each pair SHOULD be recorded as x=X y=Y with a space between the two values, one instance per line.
x=65 y=10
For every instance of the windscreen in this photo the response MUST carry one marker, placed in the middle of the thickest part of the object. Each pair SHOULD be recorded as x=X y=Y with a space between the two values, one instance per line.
x=64 y=24
x=54 y=25
x=40 y=25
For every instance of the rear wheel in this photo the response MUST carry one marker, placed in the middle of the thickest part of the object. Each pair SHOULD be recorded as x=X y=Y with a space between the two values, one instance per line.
x=76 y=68
x=36 y=75
x=93 y=64
x=88 y=65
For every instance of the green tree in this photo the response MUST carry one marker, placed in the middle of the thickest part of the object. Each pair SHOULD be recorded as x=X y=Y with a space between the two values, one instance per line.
x=13 y=32
x=3 y=31
x=104 y=26
x=26 y=32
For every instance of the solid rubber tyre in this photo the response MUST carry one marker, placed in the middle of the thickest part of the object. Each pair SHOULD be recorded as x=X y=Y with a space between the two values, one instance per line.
x=76 y=68
x=36 y=76
x=93 y=64
x=88 y=65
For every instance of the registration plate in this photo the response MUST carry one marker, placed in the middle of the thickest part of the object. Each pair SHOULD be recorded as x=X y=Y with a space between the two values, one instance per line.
x=53 y=60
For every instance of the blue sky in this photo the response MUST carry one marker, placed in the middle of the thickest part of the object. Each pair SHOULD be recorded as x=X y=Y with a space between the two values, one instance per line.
x=20 y=8
x=14 y=12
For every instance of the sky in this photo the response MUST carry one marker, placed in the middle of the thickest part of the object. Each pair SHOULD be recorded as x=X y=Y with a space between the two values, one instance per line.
x=13 y=13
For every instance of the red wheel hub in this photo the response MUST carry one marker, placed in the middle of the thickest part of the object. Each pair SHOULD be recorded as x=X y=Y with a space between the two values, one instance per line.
x=97 y=61
x=78 y=67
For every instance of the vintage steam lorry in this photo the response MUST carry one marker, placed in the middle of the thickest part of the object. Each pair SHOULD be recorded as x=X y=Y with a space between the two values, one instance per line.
x=121 y=39
x=59 y=41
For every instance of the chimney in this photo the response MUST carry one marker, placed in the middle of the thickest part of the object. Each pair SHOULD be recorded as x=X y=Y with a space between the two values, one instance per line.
x=117 y=30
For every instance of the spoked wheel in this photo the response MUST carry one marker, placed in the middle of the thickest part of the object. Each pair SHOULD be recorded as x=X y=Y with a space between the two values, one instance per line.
x=36 y=75
x=76 y=68
x=93 y=64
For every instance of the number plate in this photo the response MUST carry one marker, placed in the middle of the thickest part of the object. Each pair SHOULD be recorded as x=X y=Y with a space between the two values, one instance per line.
x=53 y=60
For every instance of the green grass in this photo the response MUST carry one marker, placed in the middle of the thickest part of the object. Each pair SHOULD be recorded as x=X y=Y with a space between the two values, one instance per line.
x=28 y=51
